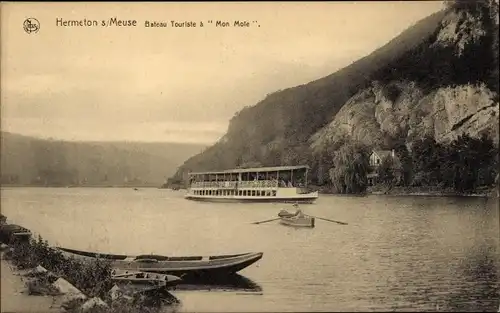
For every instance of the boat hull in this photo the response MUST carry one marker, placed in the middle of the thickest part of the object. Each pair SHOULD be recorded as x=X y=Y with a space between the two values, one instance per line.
x=298 y=222
x=140 y=278
x=282 y=195
x=10 y=233
x=184 y=267
x=302 y=200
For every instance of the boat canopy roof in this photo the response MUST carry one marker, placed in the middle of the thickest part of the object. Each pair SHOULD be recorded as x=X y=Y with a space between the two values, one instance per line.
x=256 y=170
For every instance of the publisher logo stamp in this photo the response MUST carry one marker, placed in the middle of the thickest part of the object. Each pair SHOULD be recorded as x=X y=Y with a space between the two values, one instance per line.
x=31 y=25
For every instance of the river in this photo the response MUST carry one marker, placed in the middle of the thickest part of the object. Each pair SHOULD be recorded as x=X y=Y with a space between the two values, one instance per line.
x=396 y=253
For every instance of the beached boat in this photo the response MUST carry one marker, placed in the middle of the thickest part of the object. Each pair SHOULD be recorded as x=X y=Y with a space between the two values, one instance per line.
x=184 y=267
x=141 y=278
x=10 y=233
x=297 y=219
x=265 y=184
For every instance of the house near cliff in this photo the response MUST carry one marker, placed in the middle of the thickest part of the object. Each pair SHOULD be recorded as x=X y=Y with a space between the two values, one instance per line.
x=376 y=159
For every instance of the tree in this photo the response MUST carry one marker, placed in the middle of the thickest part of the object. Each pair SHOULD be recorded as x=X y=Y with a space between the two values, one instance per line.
x=386 y=171
x=426 y=158
x=350 y=167
x=322 y=162
x=469 y=163
x=406 y=161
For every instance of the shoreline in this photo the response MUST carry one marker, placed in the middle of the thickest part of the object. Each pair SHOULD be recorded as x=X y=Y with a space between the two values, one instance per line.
x=80 y=186
x=37 y=276
x=397 y=191
x=421 y=192
x=14 y=296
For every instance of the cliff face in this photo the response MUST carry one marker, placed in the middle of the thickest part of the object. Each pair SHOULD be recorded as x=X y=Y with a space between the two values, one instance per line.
x=439 y=78
x=410 y=110
x=444 y=114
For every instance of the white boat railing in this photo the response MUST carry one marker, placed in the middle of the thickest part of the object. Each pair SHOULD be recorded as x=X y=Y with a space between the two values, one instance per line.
x=234 y=184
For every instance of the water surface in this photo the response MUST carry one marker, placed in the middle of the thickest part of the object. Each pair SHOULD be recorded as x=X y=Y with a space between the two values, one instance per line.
x=396 y=253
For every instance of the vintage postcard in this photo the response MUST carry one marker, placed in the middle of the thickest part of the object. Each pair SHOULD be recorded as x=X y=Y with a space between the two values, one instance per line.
x=249 y=156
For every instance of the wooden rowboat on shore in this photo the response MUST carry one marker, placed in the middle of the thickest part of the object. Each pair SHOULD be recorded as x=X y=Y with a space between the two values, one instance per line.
x=10 y=233
x=142 y=278
x=184 y=267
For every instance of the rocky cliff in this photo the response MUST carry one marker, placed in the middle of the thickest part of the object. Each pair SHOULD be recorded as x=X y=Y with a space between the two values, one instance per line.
x=438 y=78
x=444 y=114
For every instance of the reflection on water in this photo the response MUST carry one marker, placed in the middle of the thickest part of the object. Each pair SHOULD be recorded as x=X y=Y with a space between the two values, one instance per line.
x=396 y=253
x=234 y=282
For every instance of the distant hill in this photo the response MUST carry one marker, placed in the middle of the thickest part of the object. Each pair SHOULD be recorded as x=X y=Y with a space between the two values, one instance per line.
x=31 y=161
x=437 y=78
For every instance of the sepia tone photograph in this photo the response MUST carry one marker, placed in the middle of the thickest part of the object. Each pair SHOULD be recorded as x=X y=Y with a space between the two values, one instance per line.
x=334 y=156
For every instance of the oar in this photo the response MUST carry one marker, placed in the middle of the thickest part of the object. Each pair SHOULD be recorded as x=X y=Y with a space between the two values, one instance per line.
x=273 y=219
x=325 y=219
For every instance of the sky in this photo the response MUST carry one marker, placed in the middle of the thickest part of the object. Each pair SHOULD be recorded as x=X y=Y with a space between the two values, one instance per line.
x=175 y=84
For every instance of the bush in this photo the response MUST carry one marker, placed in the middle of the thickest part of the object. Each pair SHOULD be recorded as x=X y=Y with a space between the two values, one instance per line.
x=91 y=277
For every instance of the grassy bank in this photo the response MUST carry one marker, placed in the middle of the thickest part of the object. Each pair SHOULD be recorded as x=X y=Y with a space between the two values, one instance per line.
x=92 y=278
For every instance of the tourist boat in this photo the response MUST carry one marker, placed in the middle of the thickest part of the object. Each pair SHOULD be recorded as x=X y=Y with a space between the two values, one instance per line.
x=265 y=184
x=297 y=219
x=184 y=267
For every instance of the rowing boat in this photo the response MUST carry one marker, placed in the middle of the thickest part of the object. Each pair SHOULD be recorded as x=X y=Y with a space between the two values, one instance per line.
x=297 y=219
x=305 y=221
x=10 y=233
x=190 y=266
x=141 y=278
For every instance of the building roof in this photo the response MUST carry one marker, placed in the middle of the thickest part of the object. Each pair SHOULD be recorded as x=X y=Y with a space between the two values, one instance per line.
x=382 y=154
x=256 y=169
